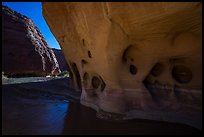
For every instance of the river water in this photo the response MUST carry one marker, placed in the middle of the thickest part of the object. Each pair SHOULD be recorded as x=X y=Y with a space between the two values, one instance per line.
x=35 y=109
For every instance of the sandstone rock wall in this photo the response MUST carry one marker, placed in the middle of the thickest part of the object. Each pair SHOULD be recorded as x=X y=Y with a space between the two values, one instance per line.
x=24 y=49
x=140 y=60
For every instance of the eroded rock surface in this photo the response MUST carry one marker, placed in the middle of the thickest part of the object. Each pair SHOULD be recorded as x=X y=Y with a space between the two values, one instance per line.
x=139 y=60
x=24 y=49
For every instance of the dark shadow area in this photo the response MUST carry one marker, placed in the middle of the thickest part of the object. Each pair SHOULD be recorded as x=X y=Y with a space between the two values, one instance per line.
x=77 y=75
x=81 y=120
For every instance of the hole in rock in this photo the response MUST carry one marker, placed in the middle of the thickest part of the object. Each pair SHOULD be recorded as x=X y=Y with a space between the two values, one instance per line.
x=182 y=74
x=83 y=41
x=133 y=69
x=76 y=72
x=89 y=54
x=84 y=61
x=95 y=82
x=103 y=84
x=124 y=56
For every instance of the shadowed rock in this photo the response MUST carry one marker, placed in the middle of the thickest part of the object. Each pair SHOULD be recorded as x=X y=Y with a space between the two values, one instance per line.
x=24 y=49
x=61 y=60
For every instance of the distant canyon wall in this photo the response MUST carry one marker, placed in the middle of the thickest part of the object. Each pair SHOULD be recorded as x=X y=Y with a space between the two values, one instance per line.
x=24 y=49
x=61 y=59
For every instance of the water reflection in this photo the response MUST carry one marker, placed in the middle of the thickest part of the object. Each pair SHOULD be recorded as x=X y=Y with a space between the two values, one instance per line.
x=56 y=116
x=33 y=116
x=81 y=120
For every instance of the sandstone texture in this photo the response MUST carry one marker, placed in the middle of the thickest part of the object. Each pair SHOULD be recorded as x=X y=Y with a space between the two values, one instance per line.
x=24 y=49
x=133 y=59
x=60 y=59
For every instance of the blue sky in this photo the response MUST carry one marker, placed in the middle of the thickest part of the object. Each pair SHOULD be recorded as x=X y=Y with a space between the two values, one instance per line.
x=33 y=10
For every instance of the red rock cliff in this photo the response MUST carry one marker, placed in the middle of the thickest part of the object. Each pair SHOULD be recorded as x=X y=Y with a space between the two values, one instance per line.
x=24 y=49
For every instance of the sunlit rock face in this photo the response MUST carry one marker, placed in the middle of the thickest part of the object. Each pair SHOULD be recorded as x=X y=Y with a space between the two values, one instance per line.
x=138 y=60
x=24 y=49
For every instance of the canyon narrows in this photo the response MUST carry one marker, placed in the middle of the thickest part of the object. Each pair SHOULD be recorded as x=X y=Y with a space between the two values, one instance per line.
x=133 y=59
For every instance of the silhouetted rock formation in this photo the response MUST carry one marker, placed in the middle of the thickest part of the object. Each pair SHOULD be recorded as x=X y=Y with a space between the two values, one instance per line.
x=24 y=49
x=140 y=59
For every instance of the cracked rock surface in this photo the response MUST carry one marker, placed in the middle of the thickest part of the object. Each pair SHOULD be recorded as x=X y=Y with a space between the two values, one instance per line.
x=139 y=60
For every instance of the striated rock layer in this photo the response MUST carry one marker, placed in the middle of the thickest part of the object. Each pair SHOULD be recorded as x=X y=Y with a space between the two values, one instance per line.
x=133 y=60
x=24 y=49
x=60 y=59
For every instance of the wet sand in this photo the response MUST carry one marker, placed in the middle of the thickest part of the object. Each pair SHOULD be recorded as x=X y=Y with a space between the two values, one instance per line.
x=52 y=108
